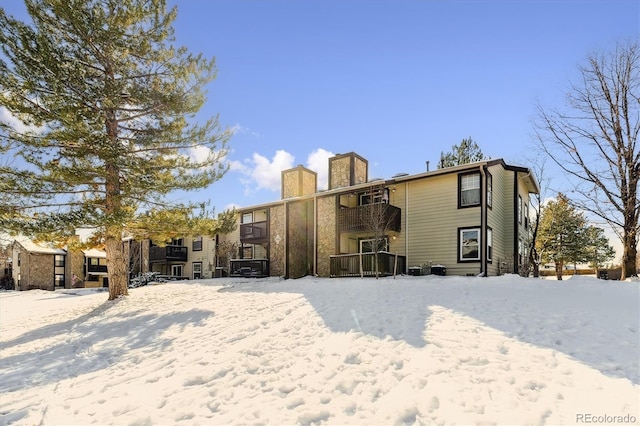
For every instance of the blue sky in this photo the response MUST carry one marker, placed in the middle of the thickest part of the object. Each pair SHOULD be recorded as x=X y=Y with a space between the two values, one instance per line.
x=397 y=81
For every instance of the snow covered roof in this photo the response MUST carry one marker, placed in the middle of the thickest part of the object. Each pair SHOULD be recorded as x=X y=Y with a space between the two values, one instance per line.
x=33 y=247
x=95 y=253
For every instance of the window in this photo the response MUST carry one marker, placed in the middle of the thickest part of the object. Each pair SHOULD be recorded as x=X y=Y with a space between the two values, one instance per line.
x=526 y=216
x=469 y=185
x=197 y=243
x=489 y=190
x=469 y=244
x=247 y=252
x=59 y=260
x=59 y=280
x=375 y=196
x=519 y=208
x=489 y=244
x=176 y=270
x=197 y=270
x=367 y=245
x=247 y=217
x=176 y=242
x=520 y=252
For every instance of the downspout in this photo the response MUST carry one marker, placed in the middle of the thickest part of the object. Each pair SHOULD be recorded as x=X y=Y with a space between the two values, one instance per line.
x=516 y=235
x=406 y=226
x=286 y=240
x=483 y=221
x=315 y=234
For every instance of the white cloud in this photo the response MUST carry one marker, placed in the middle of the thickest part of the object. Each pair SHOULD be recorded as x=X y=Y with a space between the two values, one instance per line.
x=199 y=153
x=318 y=161
x=260 y=172
x=237 y=128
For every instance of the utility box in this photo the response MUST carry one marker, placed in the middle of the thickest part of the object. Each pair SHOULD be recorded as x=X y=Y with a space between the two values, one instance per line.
x=415 y=270
x=438 y=270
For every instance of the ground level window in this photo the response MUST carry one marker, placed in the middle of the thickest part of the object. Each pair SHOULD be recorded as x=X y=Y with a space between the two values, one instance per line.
x=197 y=270
x=469 y=243
x=59 y=280
x=176 y=270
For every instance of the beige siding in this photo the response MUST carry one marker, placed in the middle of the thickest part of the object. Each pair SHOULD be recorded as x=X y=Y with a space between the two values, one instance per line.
x=397 y=197
x=500 y=220
x=432 y=222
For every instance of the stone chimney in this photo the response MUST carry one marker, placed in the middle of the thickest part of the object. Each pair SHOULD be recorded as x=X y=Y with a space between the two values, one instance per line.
x=298 y=182
x=347 y=170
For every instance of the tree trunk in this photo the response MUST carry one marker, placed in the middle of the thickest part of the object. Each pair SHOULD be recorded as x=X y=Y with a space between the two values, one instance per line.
x=116 y=268
x=629 y=255
x=559 y=266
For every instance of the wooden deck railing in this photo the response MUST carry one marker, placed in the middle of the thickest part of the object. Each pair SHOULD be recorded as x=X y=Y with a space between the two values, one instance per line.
x=360 y=218
x=349 y=265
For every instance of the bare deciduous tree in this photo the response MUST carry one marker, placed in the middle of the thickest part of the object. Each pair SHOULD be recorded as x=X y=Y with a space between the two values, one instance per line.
x=594 y=141
x=378 y=219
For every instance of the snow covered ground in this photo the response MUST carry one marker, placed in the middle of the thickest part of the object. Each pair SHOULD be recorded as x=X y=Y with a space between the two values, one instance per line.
x=411 y=350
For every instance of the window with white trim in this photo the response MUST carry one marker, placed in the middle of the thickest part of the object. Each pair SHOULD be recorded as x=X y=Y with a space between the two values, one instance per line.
x=176 y=270
x=469 y=190
x=196 y=244
x=489 y=244
x=469 y=244
x=519 y=208
x=489 y=190
x=368 y=245
x=197 y=270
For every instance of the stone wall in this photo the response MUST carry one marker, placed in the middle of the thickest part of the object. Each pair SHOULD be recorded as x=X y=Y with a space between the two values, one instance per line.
x=298 y=182
x=36 y=271
x=75 y=265
x=276 y=240
x=300 y=239
x=347 y=169
x=326 y=233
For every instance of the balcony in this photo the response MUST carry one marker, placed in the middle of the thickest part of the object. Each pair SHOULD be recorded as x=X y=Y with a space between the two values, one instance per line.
x=96 y=269
x=256 y=268
x=255 y=232
x=364 y=218
x=348 y=265
x=168 y=254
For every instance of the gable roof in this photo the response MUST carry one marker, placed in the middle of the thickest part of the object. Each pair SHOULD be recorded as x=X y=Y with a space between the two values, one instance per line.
x=43 y=248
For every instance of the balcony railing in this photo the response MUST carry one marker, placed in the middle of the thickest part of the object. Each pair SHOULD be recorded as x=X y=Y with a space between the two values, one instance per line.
x=256 y=268
x=96 y=268
x=255 y=232
x=348 y=265
x=364 y=218
x=168 y=254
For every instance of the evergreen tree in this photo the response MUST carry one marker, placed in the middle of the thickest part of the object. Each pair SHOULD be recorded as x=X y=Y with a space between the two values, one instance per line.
x=597 y=249
x=564 y=236
x=467 y=152
x=104 y=107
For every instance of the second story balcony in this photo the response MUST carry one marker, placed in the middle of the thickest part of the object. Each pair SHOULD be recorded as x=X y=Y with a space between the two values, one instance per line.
x=96 y=268
x=254 y=232
x=168 y=253
x=364 y=218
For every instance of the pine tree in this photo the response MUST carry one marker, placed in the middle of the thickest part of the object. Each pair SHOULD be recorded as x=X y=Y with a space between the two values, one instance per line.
x=105 y=106
x=561 y=234
x=467 y=152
